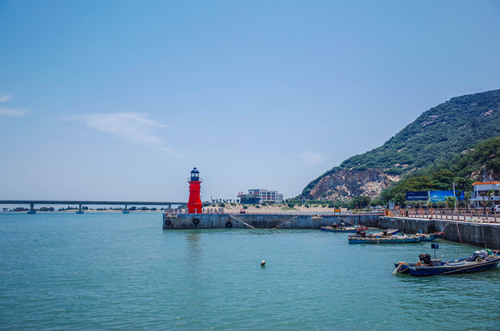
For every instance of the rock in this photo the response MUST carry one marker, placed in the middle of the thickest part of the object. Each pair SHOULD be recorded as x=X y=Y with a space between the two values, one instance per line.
x=345 y=184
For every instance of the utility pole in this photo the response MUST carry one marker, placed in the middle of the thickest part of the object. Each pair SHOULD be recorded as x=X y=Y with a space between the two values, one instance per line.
x=455 y=196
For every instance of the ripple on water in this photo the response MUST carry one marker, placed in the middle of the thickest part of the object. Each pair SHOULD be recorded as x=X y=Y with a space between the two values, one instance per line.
x=103 y=271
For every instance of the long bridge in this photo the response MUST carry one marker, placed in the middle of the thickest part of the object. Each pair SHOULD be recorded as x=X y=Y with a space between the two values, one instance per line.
x=81 y=203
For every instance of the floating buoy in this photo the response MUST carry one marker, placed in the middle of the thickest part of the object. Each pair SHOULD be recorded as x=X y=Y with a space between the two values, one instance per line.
x=262 y=263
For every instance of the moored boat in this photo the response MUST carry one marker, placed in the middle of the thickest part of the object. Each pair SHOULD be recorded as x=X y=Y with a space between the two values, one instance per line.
x=383 y=240
x=480 y=261
x=384 y=233
x=430 y=236
x=346 y=229
x=404 y=267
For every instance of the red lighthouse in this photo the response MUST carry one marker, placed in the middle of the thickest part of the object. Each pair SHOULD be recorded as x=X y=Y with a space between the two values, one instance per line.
x=194 y=204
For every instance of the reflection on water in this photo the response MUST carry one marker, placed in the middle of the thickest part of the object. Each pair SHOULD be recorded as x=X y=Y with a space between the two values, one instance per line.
x=193 y=244
x=193 y=268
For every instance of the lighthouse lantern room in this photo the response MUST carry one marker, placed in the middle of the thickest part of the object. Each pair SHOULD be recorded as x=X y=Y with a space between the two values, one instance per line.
x=194 y=204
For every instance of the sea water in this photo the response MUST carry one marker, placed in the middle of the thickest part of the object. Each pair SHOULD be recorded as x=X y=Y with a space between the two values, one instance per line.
x=114 y=271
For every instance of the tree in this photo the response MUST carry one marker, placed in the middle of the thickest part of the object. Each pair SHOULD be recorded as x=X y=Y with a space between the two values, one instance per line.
x=376 y=202
x=463 y=184
x=360 y=202
x=490 y=194
x=443 y=179
x=450 y=201
x=399 y=199
x=467 y=196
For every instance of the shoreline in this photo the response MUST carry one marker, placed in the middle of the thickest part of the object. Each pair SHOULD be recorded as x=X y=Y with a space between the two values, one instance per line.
x=212 y=209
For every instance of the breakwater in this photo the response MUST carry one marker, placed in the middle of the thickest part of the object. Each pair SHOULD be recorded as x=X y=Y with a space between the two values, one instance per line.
x=480 y=234
x=261 y=221
x=476 y=233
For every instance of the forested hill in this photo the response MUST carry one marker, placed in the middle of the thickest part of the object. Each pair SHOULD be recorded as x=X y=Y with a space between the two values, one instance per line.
x=440 y=133
x=482 y=162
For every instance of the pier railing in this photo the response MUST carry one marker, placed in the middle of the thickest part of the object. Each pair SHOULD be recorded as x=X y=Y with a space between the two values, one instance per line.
x=473 y=215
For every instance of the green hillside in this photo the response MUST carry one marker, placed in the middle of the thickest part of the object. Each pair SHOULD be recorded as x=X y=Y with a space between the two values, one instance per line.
x=482 y=160
x=437 y=136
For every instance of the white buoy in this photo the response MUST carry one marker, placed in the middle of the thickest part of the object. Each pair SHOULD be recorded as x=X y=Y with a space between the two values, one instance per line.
x=262 y=263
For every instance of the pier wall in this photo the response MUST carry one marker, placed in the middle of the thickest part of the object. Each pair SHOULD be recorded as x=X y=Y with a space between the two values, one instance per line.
x=261 y=221
x=479 y=234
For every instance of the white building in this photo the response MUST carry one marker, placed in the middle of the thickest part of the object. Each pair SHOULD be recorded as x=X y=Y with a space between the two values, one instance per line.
x=480 y=196
x=261 y=196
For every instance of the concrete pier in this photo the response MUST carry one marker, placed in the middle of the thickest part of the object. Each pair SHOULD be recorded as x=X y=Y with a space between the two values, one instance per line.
x=261 y=221
x=480 y=234
x=486 y=235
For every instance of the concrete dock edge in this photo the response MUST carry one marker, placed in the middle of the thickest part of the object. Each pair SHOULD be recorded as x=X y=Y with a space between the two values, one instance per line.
x=480 y=234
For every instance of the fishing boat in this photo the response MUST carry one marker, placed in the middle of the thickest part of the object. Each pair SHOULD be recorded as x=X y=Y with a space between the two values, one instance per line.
x=362 y=237
x=480 y=261
x=430 y=236
x=393 y=239
x=384 y=233
x=346 y=229
x=404 y=267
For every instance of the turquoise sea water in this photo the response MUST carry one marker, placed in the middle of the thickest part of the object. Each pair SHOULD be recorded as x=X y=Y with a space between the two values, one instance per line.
x=113 y=271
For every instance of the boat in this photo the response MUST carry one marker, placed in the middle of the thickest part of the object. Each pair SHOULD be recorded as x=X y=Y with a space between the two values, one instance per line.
x=480 y=261
x=430 y=236
x=387 y=232
x=386 y=236
x=393 y=239
x=404 y=268
x=346 y=229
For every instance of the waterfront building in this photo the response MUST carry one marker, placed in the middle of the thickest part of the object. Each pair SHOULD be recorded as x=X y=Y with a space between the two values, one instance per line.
x=255 y=196
x=486 y=194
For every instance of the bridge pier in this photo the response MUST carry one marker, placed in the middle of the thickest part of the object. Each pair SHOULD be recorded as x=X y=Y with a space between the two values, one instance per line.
x=32 y=209
x=79 y=211
x=125 y=211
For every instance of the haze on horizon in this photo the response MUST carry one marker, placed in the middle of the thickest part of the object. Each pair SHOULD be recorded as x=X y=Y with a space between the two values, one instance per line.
x=119 y=100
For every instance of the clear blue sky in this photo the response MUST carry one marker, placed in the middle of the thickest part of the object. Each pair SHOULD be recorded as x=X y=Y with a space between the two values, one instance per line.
x=121 y=99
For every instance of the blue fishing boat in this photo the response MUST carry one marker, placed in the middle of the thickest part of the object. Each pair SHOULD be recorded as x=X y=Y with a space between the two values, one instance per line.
x=385 y=236
x=469 y=264
x=480 y=261
x=404 y=268
x=430 y=236
x=383 y=240
x=384 y=233
x=345 y=229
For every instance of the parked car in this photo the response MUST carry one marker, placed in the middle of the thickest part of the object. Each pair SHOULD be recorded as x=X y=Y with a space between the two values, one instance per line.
x=496 y=208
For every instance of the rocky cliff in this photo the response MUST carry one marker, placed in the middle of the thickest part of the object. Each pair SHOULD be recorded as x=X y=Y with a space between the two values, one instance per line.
x=345 y=184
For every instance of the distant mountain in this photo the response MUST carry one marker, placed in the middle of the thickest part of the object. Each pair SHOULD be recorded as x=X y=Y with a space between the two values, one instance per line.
x=437 y=136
